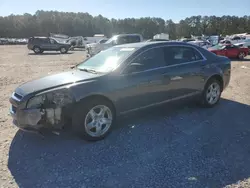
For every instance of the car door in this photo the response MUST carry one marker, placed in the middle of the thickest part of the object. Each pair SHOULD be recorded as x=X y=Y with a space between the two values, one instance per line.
x=44 y=44
x=232 y=51
x=183 y=72
x=53 y=44
x=222 y=52
x=142 y=80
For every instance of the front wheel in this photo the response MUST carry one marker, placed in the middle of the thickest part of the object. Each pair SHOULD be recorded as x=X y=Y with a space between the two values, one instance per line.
x=93 y=120
x=63 y=50
x=211 y=93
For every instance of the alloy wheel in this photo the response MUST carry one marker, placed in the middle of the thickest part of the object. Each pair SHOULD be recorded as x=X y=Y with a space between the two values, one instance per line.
x=63 y=50
x=213 y=93
x=37 y=50
x=98 y=120
x=241 y=55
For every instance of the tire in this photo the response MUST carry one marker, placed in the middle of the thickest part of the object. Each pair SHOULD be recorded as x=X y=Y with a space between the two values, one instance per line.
x=241 y=55
x=83 y=119
x=206 y=101
x=63 y=50
x=37 y=50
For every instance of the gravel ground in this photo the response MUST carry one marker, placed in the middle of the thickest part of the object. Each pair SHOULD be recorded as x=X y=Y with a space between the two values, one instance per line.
x=178 y=145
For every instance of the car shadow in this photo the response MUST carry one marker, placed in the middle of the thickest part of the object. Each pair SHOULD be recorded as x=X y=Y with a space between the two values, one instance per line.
x=50 y=53
x=169 y=146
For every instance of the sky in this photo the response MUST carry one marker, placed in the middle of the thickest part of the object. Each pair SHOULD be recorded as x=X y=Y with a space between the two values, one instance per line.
x=166 y=9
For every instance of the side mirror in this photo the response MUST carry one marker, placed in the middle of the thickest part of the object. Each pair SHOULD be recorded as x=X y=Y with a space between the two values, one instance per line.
x=133 y=67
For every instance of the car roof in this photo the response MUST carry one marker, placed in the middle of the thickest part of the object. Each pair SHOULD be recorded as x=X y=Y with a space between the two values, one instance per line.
x=153 y=44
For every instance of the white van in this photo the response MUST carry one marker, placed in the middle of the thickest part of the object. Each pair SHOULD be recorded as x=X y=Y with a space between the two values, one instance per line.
x=115 y=40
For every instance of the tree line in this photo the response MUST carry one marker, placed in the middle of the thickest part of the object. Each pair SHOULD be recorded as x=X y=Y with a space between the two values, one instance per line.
x=83 y=24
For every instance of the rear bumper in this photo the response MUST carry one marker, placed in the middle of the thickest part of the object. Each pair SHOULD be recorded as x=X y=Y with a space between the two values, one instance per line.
x=226 y=77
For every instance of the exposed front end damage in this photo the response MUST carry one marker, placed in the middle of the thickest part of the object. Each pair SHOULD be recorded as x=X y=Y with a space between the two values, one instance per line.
x=53 y=116
x=47 y=110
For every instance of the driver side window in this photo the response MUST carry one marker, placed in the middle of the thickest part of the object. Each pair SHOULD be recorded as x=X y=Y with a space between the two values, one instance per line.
x=52 y=41
x=148 y=60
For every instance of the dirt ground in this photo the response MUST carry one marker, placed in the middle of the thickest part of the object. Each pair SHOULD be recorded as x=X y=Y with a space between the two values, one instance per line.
x=24 y=157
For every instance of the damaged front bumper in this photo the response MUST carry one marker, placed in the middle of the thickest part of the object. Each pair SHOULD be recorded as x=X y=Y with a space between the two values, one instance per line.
x=34 y=119
x=26 y=119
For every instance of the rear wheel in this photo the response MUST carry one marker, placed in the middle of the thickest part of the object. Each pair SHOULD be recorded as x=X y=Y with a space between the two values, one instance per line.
x=93 y=120
x=241 y=55
x=37 y=50
x=211 y=93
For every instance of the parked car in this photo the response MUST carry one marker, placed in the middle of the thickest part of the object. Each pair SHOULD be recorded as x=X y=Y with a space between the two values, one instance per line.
x=230 y=51
x=41 y=44
x=201 y=43
x=156 y=40
x=119 y=80
x=236 y=39
x=115 y=40
x=93 y=45
x=225 y=42
x=186 y=40
x=245 y=43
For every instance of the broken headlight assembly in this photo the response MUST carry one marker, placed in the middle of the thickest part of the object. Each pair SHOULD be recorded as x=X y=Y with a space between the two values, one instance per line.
x=53 y=99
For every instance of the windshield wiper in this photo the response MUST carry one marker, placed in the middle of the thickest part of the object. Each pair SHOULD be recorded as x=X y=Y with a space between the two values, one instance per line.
x=89 y=70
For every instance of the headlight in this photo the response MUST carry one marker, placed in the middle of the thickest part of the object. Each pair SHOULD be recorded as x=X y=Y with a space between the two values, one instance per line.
x=36 y=102
x=52 y=99
x=59 y=98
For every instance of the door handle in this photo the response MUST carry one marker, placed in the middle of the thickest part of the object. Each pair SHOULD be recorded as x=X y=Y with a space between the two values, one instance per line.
x=176 y=78
x=204 y=67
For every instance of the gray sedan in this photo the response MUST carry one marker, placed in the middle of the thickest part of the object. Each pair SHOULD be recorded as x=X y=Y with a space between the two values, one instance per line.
x=116 y=81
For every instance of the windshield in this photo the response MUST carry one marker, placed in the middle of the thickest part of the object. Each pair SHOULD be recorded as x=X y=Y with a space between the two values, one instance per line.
x=111 y=39
x=106 y=60
x=102 y=41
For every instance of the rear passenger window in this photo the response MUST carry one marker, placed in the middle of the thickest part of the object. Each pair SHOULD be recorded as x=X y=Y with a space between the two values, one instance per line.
x=179 y=55
x=133 y=39
x=153 y=58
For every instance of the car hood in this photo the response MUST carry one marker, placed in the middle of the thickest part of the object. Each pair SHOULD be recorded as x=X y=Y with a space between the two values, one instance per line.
x=54 y=81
